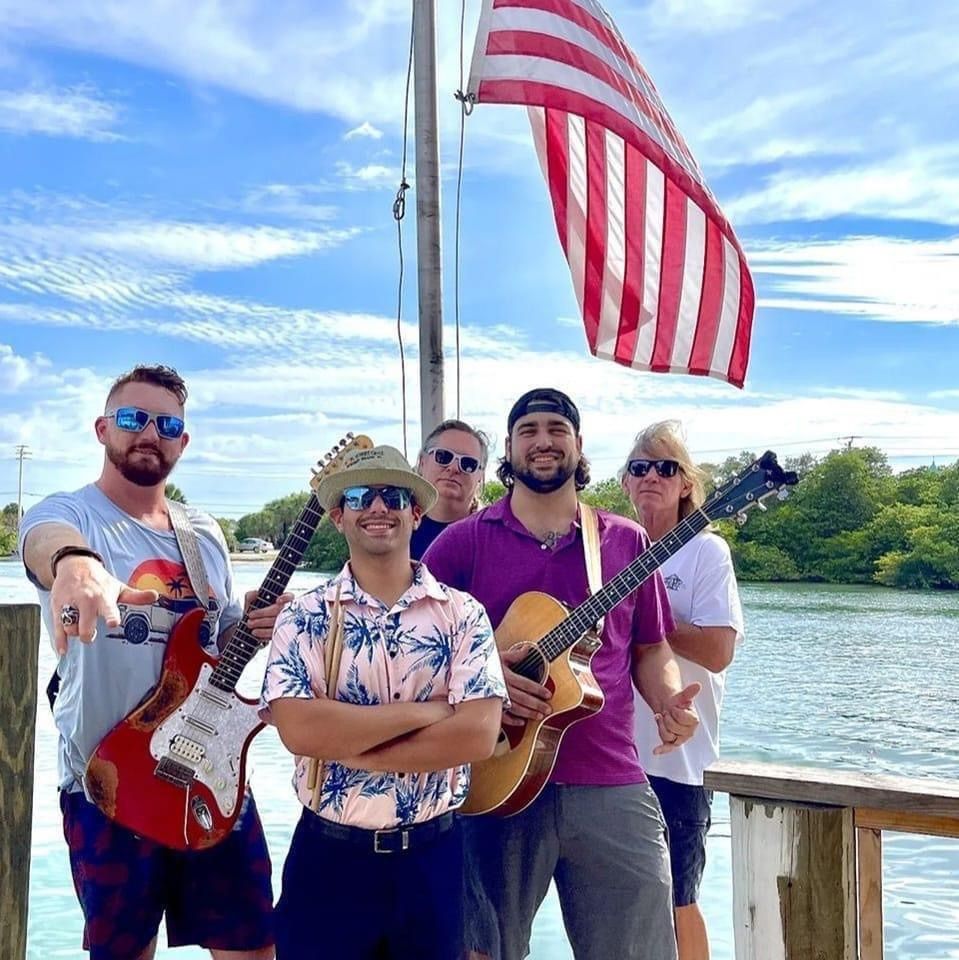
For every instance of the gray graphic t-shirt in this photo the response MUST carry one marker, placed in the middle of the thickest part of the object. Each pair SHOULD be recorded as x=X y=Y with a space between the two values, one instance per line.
x=103 y=681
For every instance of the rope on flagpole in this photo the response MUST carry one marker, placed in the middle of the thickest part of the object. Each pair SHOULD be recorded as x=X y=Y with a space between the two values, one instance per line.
x=467 y=102
x=399 y=211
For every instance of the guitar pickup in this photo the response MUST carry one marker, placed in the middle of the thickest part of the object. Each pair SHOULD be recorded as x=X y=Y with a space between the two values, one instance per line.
x=187 y=749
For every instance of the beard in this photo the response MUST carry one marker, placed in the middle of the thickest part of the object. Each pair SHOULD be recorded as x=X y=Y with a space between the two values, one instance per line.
x=562 y=471
x=143 y=473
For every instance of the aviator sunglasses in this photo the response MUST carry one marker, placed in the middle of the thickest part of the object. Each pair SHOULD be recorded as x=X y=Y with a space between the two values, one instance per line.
x=445 y=457
x=135 y=420
x=665 y=468
x=361 y=498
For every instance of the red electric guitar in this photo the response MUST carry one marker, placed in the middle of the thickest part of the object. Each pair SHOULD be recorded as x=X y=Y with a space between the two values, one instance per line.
x=174 y=770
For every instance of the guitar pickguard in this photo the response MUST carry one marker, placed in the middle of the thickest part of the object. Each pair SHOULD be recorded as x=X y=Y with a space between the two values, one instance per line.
x=203 y=740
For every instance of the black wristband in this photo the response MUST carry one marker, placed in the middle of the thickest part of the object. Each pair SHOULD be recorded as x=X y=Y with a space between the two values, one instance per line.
x=71 y=550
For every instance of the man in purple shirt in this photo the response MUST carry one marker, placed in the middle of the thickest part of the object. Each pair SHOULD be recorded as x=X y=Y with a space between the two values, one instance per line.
x=596 y=829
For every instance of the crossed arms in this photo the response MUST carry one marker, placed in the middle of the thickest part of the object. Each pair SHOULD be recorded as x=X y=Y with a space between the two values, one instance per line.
x=396 y=737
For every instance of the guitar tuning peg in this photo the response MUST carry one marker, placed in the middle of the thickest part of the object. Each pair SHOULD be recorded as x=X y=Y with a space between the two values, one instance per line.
x=741 y=518
x=783 y=494
x=761 y=505
x=349 y=435
x=342 y=442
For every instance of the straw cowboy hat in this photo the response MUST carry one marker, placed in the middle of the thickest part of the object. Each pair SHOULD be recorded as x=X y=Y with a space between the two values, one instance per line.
x=379 y=466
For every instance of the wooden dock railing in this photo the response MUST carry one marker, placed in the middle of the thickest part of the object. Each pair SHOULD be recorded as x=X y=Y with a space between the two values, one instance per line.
x=807 y=854
x=19 y=649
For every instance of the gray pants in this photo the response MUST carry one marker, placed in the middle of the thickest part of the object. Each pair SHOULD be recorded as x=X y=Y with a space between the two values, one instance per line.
x=606 y=849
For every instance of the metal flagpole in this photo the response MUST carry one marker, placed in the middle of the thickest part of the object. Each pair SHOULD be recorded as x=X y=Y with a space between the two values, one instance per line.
x=428 y=234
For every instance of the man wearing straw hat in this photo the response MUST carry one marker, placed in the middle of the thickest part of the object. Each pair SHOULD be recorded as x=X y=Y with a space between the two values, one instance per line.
x=385 y=684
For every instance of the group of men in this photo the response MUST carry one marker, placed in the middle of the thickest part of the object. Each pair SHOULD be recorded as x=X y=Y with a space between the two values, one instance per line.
x=386 y=684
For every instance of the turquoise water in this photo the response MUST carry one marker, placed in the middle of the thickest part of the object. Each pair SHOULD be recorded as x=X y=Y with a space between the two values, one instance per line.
x=856 y=677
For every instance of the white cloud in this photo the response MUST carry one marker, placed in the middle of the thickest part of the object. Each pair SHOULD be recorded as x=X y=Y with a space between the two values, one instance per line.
x=370 y=176
x=16 y=371
x=295 y=201
x=365 y=129
x=77 y=112
x=921 y=184
x=879 y=278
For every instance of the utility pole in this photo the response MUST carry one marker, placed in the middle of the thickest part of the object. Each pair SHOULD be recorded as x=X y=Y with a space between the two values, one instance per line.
x=22 y=453
x=849 y=440
x=428 y=233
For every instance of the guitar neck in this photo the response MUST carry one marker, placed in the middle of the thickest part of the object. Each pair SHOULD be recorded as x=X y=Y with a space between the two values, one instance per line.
x=243 y=646
x=590 y=611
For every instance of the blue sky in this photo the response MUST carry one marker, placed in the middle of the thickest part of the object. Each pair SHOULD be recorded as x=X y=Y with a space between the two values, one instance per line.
x=209 y=185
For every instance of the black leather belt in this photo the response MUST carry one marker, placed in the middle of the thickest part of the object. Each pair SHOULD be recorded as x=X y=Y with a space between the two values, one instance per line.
x=395 y=840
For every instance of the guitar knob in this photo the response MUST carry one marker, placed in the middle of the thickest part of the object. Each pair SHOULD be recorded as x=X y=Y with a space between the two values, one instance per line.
x=220 y=784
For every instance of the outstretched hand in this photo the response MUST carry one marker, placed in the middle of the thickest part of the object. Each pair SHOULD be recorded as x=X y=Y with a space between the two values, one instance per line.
x=677 y=720
x=84 y=583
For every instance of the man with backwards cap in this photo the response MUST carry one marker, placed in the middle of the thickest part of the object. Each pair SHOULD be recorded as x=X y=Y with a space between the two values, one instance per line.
x=375 y=867
x=596 y=829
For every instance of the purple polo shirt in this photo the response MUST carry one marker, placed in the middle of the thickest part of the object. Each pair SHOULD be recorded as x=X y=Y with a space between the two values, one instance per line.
x=494 y=557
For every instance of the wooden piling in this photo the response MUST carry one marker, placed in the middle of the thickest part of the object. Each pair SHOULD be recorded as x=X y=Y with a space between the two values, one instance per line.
x=19 y=648
x=794 y=881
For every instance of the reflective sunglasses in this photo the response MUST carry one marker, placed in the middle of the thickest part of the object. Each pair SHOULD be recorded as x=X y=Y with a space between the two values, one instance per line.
x=135 y=420
x=361 y=498
x=445 y=457
x=665 y=468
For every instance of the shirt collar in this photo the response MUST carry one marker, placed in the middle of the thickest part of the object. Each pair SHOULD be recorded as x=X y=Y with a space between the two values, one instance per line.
x=424 y=585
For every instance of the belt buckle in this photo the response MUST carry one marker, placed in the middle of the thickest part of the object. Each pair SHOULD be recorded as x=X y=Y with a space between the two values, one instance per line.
x=404 y=840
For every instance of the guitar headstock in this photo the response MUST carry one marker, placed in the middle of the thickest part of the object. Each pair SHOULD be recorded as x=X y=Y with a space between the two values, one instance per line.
x=762 y=479
x=333 y=461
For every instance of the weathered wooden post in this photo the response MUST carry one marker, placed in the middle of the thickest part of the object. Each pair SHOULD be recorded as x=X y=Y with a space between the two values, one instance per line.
x=19 y=648
x=794 y=881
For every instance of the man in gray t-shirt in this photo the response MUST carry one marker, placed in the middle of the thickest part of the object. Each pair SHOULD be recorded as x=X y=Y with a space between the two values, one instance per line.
x=109 y=552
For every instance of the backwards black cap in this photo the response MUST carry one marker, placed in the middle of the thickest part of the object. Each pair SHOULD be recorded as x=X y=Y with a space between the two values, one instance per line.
x=543 y=400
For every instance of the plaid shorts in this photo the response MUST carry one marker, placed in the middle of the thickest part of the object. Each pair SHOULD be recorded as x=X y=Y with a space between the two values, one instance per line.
x=221 y=898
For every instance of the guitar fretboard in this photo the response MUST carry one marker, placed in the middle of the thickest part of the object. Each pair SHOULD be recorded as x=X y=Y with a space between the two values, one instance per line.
x=567 y=633
x=243 y=646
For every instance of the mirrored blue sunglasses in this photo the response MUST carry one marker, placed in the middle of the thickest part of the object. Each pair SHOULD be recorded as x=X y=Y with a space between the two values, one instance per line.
x=361 y=498
x=135 y=420
x=640 y=467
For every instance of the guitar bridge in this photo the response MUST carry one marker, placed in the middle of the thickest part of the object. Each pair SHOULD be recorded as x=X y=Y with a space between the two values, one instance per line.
x=175 y=773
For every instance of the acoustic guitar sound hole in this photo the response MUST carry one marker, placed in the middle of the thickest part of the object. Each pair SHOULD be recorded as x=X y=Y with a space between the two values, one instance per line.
x=533 y=666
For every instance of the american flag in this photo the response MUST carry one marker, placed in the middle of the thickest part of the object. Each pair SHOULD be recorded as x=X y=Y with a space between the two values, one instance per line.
x=660 y=277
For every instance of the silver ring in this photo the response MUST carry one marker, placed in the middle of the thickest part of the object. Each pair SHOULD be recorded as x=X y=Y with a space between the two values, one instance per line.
x=69 y=615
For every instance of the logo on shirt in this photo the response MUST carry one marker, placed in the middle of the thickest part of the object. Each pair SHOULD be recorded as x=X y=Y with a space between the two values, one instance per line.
x=140 y=623
x=673 y=582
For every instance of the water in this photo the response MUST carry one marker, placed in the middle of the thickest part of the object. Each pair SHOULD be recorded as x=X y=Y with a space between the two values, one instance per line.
x=848 y=676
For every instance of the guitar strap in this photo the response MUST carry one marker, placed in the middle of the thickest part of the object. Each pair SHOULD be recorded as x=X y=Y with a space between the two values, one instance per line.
x=331 y=663
x=594 y=563
x=190 y=551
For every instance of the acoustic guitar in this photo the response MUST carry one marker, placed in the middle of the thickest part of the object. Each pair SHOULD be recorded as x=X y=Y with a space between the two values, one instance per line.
x=563 y=643
x=174 y=770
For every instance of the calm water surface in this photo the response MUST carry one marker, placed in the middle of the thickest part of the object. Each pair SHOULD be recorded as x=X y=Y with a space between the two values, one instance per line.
x=853 y=677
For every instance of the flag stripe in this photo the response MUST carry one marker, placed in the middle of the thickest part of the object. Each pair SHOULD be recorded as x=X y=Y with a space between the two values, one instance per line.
x=710 y=307
x=692 y=288
x=615 y=266
x=671 y=281
x=596 y=227
x=576 y=205
x=634 y=190
x=573 y=13
x=658 y=272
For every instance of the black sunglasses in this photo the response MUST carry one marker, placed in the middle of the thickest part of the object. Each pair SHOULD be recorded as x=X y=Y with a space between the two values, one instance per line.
x=665 y=468
x=445 y=457
x=361 y=498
